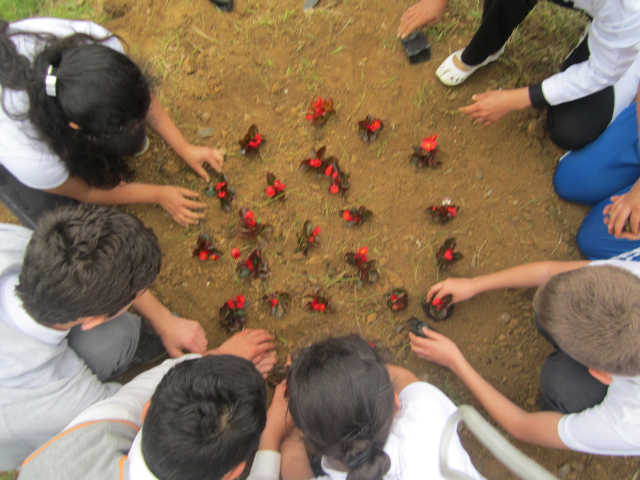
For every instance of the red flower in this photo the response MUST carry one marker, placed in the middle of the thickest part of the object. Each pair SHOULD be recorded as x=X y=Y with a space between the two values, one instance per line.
x=448 y=254
x=333 y=189
x=429 y=143
x=334 y=175
x=235 y=253
x=316 y=232
x=230 y=304
x=328 y=170
x=248 y=217
x=220 y=185
x=373 y=126
x=308 y=116
x=279 y=185
x=257 y=140
x=438 y=303
x=240 y=301
x=274 y=302
x=222 y=194
x=394 y=297
x=347 y=216
x=372 y=345
x=318 y=306
x=315 y=163
x=452 y=211
x=249 y=265
x=270 y=191
x=204 y=255
x=318 y=103
x=363 y=251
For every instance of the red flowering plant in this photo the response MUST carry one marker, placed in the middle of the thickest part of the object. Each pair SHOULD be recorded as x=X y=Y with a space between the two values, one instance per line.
x=278 y=302
x=253 y=267
x=320 y=111
x=320 y=302
x=251 y=143
x=233 y=314
x=204 y=248
x=308 y=238
x=235 y=253
x=366 y=268
x=370 y=128
x=356 y=216
x=444 y=212
x=251 y=228
x=438 y=309
x=424 y=154
x=445 y=256
x=275 y=187
x=397 y=299
x=340 y=181
x=223 y=191
x=316 y=161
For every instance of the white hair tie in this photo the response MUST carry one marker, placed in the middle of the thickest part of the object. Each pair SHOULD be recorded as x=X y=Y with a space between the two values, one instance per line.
x=50 y=82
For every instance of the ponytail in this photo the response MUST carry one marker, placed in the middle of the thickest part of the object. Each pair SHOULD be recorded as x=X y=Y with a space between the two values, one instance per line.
x=98 y=88
x=343 y=402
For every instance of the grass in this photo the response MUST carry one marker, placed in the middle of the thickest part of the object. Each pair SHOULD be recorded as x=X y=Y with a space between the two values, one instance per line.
x=13 y=10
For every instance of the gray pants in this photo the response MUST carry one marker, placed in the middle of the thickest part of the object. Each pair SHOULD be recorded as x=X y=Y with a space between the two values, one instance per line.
x=108 y=348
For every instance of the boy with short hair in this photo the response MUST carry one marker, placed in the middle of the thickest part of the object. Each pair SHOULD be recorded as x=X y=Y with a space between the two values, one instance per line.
x=201 y=419
x=591 y=313
x=84 y=266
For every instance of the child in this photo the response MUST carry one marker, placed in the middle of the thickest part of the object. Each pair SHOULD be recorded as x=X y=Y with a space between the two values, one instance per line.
x=73 y=110
x=201 y=419
x=598 y=79
x=82 y=269
x=367 y=421
x=592 y=312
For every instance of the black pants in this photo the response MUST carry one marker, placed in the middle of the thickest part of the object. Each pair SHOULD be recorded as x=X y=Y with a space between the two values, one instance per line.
x=571 y=125
x=567 y=386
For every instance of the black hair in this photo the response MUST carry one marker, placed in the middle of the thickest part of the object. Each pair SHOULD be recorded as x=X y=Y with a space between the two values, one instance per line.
x=343 y=402
x=98 y=88
x=205 y=418
x=86 y=260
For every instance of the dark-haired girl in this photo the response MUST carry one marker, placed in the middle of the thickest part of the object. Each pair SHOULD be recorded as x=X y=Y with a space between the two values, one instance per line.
x=74 y=108
x=368 y=421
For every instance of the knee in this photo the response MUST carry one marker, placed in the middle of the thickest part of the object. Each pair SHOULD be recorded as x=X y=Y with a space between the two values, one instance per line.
x=587 y=240
x=566 y=179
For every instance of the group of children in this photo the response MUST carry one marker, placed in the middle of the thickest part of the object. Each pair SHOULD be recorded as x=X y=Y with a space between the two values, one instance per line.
x=74 y=108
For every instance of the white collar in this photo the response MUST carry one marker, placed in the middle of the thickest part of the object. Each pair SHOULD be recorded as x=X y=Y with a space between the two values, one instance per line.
x=14 y=314
x=138 y=469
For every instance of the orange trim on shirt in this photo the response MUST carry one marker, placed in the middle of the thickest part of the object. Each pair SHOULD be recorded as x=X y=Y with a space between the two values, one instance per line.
x=124 y=457
x=71 y=430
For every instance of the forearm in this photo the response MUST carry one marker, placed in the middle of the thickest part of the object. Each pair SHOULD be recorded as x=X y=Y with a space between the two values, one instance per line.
x=152 y=311
x=161 y=123
x=524 y=276
x=295 y=461
x=400 y=377
x=121 y=195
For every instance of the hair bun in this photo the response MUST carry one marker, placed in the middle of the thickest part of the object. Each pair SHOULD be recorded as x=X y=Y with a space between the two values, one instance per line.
x=372 y=464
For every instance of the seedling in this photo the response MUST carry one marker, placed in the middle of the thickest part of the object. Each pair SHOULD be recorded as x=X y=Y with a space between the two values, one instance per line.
x=320 y=111
x=233 y=314
x=204 y=248
x=308 y=238
x=424 y=154
x=316 y=161
x=320 y=302
x=252 y=229
x=397 y=299
x=370 y=128
x=356 y=216
x=340 y=181
x=251 y=143
x=223 y=191
x=366 y=268
x=444 y=213
x=445 y=256
x=275 y=187
x=253 y=267
x=278 y=302
x=439 y=309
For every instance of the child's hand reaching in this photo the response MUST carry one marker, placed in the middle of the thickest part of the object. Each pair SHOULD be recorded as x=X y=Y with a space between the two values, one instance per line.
x=437 y=348
x=460 y=289
x=195 y=156
x=174 y=200
x=254 y=345
x=425 y=12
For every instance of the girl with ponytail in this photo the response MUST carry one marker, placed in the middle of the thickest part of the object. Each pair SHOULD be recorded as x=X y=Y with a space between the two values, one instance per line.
x=73 y=110
x=368 y=421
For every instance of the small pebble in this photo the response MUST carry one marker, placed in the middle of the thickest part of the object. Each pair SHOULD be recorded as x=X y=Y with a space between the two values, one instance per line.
x=205 y=116
x=206 y=132
x=577 y=466
x=504 y=318
x=564 y=470
x=479 y=174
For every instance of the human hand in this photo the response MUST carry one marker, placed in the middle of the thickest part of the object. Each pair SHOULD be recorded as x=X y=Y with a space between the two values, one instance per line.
x=267 y=362
x=174 y=201
x=178 y=334
x=425 y=12
x=491 y=106
x=460 y=289
x=625 y=206
x=436 y=348
x=250 y=344
x=195 y=156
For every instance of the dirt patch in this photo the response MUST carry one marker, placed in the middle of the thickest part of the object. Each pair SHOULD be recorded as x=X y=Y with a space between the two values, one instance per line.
x=263 y=64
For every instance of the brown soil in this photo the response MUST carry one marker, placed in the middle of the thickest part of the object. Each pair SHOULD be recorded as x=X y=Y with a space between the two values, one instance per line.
x=263 y=64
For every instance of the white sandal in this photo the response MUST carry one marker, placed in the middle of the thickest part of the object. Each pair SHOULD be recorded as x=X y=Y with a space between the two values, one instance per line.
x=451 y=75
x=145 y=146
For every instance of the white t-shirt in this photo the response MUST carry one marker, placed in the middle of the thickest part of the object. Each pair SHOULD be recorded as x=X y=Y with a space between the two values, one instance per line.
x=413 y=444
x=613 y=427
x=27 y=158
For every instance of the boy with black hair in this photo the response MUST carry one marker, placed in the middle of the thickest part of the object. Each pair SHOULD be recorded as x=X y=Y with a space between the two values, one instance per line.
x=203 y=422
x=590 y=311
x=84 y=266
